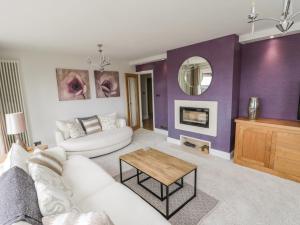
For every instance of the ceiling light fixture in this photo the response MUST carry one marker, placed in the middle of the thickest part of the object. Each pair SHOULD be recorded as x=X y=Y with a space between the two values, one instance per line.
x=283 y=24
x=102 y=60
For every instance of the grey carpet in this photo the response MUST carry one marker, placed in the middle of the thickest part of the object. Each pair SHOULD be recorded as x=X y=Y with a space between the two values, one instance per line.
x=190 y=214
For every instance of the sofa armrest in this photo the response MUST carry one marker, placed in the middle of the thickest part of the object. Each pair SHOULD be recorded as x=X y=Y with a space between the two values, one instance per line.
x=59 y=136
x=121 y=122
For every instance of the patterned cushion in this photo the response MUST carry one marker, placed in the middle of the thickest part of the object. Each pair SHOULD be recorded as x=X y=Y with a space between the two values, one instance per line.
x=75 y=130
x=91 y=218
x=90 y=124
x=45 y=159
x=53 y=200
x=108 y=121
x=63 y=127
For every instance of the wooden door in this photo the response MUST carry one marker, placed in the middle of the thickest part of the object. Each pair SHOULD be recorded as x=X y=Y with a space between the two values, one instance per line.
x=253 y=145
x=133 y=107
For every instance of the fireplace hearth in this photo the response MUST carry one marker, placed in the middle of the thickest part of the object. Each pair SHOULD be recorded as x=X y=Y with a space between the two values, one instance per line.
x=194 y=116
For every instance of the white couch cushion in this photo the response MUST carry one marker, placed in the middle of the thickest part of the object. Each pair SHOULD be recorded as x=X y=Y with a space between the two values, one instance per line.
x=17 y=156
x=97 y=140
x=123 y=206
x=53 y=200
x=84 y=177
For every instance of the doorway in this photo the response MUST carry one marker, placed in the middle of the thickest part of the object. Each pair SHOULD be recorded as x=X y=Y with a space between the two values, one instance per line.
x=133 y=106
x=146 y=99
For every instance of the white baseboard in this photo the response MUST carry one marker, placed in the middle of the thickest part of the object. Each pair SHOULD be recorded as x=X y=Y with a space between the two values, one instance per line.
x=161 y=131
x=221 y=154
x=173 y=141
x=214 y=152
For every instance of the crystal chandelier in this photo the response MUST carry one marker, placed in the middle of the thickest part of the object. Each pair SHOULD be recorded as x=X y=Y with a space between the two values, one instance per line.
x=283 y=24
x=101 y=60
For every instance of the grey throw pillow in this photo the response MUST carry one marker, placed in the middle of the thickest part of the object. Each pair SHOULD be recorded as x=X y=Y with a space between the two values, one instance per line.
x=90 y=124
x=18 y=198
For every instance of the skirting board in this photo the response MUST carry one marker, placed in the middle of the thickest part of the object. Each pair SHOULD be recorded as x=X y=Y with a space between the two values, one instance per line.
x=161 y=131
x=214 y=152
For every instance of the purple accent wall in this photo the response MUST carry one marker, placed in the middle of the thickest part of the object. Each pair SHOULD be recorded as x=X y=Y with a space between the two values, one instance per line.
x=223 y=55
x=270 y=70
x=160 y=91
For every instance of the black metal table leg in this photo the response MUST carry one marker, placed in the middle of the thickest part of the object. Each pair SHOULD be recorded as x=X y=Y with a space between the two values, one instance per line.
x=161 y=192
x=121 y=176
x=138 y=176
x=195 y=183
x=167 y=202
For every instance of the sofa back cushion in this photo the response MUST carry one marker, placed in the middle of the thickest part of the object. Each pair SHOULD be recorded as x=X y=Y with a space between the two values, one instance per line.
x=85 y=177
x=90 y=124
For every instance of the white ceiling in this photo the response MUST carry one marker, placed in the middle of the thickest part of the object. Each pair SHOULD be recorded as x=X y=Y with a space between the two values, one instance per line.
x=129 y=29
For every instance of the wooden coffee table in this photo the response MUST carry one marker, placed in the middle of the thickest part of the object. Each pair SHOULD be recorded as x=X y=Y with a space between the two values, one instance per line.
x=165 y=169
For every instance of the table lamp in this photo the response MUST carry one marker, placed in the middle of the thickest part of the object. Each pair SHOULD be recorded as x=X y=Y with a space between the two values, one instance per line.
x=15 y=125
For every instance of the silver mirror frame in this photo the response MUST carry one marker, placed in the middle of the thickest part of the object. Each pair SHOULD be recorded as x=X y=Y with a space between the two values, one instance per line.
x=202 y=80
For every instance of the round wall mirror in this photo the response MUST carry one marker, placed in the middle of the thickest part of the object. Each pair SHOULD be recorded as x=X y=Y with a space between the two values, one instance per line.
x=195 y=75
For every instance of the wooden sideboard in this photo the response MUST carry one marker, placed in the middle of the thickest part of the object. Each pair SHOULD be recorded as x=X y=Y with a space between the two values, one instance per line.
x=269 y=145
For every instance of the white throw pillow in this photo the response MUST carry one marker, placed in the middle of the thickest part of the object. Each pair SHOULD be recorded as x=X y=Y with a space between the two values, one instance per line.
x=57 y=152
x=75 y=130
x=46 y=159
x=63 y=127
x=45 y=175
x=108 y=121
x=91 y=218
x=53 y=201
x=17 y=156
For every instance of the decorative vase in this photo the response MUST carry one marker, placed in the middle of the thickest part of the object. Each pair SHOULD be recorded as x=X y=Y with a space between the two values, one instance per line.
x=253 y=108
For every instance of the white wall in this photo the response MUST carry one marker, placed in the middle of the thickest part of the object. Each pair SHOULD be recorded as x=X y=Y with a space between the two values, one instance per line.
x=41 y=96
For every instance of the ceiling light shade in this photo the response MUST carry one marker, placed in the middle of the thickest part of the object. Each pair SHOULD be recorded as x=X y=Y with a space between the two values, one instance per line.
x=283 y=24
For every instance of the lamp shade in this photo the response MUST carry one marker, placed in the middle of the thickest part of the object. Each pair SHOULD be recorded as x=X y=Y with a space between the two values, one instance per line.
x=15 y=123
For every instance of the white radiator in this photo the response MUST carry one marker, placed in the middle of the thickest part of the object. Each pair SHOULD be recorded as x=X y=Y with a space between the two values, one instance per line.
x=11 y=98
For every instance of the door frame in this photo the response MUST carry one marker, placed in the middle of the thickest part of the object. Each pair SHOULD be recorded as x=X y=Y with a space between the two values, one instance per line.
x=141 y=73
x=128 y=75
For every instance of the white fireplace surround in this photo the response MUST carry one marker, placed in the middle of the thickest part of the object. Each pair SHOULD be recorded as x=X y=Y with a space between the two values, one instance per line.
x=213 y=116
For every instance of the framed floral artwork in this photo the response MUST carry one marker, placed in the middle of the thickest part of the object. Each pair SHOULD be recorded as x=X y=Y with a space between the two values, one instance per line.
x=107 y=84
x=73 y=84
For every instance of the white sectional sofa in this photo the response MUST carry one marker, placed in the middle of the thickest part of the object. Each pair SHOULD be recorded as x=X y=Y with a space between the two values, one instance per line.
x=97 y=144
x=94 y=190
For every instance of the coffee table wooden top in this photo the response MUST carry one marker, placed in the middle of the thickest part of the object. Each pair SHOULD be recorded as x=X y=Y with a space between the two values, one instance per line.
x=158 y=165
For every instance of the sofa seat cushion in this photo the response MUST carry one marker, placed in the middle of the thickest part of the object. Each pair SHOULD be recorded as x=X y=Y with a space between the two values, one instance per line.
x=123 y=206
x=84 y=177
x=97 y=140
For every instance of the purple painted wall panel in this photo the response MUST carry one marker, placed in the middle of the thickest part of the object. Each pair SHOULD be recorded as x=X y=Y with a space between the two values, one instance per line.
x=270 y=70
x=160 y=91
x=222 y=55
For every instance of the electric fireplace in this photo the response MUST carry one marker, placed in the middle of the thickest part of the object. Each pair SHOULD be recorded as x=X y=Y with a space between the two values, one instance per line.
x=194 y=116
